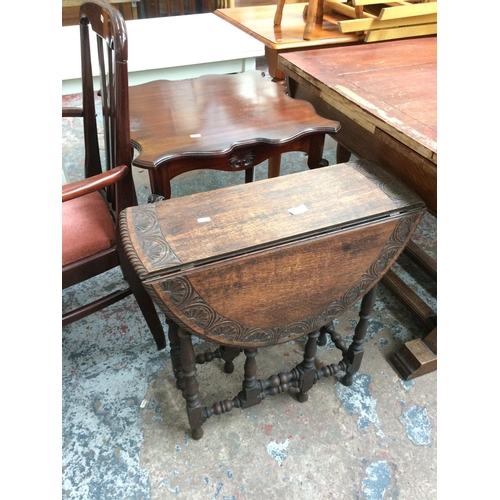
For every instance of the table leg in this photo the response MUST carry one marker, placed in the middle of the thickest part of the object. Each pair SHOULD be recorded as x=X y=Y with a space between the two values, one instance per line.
x=343 y=154
x=272 y=60
x=250 y=395
x=355 y=351
x=175 y=353
x=307 y=368
x=190 y=393
x=273 y=166
x=160 y=183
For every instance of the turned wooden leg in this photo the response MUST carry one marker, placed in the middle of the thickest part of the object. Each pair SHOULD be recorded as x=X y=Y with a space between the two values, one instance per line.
x=190 y=393
x=175 y=353
x=355 y=351
x=307 y=368
x=279 y=12
x=251 y=387
x=324 y=330
x=228 y=355
x=312 y=18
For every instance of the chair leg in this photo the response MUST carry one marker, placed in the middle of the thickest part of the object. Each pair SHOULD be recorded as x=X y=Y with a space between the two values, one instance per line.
x=312 y=18
x=279 y=12
x=145 y=302
x=150 y=315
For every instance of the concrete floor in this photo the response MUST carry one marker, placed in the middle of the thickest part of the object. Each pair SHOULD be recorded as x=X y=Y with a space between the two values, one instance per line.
x=125 y=429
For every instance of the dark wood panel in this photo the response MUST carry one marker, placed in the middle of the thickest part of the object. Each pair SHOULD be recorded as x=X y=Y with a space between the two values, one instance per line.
x=415 y=171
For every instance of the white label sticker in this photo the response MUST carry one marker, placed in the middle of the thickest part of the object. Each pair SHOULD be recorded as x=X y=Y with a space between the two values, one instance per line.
x=298 y=210
x=204 y=219
x=195 y=136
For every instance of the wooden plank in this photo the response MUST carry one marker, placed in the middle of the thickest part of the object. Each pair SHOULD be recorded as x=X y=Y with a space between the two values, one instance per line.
x=378 y=2
x=405 y=32
x=408 y=11
x=415 y=358
x=410 y=298
x=367 y=2
x=345 y=10
x=366 y=24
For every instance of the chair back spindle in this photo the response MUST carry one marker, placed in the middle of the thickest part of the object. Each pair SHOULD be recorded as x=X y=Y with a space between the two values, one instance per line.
x=112 y=61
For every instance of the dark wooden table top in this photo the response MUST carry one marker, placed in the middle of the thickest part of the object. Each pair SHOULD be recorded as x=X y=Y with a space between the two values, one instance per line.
x=208 y=115
x=389 y=85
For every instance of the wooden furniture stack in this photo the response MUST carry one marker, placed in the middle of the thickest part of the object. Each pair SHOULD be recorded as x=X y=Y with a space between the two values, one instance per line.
x=387 y=20
x=378 y=20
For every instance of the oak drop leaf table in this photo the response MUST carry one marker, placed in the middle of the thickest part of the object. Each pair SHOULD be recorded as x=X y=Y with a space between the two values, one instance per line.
x=262 y=263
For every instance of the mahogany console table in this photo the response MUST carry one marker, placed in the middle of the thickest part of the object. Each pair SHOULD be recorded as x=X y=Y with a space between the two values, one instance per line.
x=258 y=264
x=384 y=96
x=258 y=22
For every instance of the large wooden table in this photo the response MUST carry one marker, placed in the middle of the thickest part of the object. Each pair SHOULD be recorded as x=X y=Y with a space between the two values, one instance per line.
x=384 y=96
x=258 y=22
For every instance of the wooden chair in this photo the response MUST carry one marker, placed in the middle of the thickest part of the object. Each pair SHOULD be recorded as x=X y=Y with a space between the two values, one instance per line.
x=313 y=12
x=91 y=206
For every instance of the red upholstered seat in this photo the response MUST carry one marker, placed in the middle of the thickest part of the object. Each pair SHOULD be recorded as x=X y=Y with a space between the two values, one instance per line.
x=87 y=215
